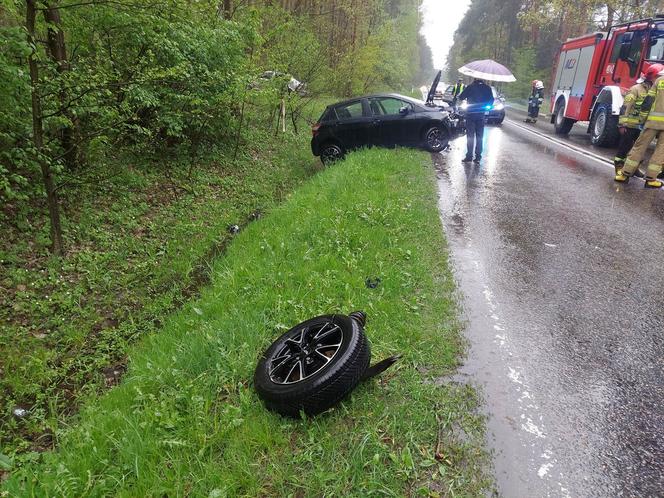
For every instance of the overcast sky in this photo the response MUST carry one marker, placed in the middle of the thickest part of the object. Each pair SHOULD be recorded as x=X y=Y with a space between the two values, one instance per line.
x=440 y=19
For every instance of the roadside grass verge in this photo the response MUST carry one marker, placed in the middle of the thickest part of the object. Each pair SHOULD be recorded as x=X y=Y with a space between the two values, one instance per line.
x=185 y=420
x=140 y=234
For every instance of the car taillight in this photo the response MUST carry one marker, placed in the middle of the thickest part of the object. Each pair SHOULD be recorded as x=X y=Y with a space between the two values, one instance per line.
x=314 y=129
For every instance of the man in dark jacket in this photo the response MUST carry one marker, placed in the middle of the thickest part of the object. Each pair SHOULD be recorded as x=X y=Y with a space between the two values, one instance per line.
x=479 y=99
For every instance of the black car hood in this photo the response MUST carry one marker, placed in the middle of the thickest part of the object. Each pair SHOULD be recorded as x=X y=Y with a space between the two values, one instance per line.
x=432 y=90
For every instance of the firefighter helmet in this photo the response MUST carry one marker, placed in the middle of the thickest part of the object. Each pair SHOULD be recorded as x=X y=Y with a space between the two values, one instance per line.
x=653 y=71
x=538 y=84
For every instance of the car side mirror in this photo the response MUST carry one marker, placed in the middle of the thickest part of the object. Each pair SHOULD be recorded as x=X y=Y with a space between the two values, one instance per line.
x=404 y=110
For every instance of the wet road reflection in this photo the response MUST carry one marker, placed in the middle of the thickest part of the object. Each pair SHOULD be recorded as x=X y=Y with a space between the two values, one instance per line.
x=564 y=297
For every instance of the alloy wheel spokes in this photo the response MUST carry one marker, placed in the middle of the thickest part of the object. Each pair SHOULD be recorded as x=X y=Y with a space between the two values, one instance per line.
x=307 y=351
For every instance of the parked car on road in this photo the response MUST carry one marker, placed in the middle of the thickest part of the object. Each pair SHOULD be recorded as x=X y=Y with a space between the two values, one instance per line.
x=385 y=120
x=495 y=114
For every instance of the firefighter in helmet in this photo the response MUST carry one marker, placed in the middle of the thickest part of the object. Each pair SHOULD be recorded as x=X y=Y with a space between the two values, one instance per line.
x=535 y=101
x=631 y=121
x=652 y=112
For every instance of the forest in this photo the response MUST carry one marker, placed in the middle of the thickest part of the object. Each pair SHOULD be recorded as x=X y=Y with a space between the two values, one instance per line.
x=526 y=36
x=132 y=133
x=80 y=79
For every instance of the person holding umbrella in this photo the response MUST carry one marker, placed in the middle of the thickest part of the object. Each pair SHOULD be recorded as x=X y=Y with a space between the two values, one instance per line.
x=479 y=99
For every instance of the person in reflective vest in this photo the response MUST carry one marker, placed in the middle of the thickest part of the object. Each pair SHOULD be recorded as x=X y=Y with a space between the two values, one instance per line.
x=535 y=101
x=458 y=88
x=652 y=113
x=630 y=121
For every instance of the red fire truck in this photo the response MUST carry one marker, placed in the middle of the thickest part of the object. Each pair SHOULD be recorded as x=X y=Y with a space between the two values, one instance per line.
x=594 y=72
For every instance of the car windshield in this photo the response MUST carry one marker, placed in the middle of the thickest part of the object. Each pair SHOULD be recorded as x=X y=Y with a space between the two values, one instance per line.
x=656 y=51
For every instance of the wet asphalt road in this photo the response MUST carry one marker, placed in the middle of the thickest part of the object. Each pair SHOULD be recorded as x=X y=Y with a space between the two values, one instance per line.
x=561 y=271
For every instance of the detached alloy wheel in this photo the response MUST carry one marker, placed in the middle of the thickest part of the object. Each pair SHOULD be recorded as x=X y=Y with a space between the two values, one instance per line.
x=331 y=153
x=314 y=365
x=435 y=139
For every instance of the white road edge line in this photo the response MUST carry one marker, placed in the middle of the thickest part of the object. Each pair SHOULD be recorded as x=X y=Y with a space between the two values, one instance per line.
x=566 y=145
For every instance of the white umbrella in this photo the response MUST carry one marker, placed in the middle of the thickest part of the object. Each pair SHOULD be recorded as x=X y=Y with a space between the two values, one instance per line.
x=487 y=69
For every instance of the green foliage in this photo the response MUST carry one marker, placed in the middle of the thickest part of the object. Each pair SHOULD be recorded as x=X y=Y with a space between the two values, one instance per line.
x=186 y=421
x=141 y=243
x=525 y=71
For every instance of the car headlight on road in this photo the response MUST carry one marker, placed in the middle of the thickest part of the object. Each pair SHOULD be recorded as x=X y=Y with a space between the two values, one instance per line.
x=499 y=106
x=464 y=105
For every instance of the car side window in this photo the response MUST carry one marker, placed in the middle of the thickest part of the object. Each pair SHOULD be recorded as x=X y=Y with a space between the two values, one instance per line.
x=387 y=106
x=349 y=111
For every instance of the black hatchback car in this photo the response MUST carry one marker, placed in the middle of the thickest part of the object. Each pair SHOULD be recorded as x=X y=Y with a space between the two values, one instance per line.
x=385 y=120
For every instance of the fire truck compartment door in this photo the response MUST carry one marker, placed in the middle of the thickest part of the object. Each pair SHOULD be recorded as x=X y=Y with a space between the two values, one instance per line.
x=583 y=71
x=569 y=61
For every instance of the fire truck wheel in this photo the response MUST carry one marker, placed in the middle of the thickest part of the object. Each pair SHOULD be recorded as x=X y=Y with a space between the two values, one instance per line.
x=562 y=124
x=604 y=127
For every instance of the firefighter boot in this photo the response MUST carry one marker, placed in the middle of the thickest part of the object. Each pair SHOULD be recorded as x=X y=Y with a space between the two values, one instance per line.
x=652 y=183
x=621 y=176
x=618 y=165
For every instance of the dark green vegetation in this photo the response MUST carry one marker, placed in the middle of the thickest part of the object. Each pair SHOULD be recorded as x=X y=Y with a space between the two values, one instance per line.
x=526 y=36
x=132 y=134
x=185 y=420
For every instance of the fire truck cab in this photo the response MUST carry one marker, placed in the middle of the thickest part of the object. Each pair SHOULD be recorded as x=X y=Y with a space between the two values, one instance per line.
x=594 y=72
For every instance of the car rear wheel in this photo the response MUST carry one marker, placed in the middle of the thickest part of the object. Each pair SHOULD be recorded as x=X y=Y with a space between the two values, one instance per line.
x=436 y=139
x=604 y=127
x=330 y=153
x=562 y=124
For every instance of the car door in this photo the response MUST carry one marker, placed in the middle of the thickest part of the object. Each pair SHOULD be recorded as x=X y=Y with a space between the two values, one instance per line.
x=393 y=126
x=353 y=123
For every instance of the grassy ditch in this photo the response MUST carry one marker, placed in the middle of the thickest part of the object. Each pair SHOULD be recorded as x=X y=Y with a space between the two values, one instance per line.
x=140 y=236
x=185 y=420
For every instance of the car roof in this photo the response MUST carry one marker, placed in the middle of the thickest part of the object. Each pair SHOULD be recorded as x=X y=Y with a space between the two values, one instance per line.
x=395 y=95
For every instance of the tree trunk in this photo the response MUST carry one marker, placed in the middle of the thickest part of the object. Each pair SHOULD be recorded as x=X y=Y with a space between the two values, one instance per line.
x=58 y=52
x=38 y=133
x=228 y=9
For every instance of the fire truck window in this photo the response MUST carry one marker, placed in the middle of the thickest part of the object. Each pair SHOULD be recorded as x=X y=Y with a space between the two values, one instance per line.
x=634 y=57
x=656 y=51
x=616 y=48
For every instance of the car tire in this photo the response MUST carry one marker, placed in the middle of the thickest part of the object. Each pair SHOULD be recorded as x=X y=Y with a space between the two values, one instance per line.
x=561 y=124
x=499 y=121
x=604 y=127
x=436 y=139
x=331 y=153
x=339 y=352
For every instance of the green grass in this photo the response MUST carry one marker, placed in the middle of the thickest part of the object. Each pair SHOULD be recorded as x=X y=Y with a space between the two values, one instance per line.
x=140 y=243
x=185 y=420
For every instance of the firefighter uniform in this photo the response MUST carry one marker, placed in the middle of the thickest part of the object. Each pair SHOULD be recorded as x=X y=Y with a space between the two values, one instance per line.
x=535 y=101
x=652 y=111
x=631 y=120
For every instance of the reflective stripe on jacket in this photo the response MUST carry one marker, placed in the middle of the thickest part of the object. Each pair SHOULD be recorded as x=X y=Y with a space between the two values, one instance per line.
x=458 y=88
x=630 y=113
x=652 y=108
